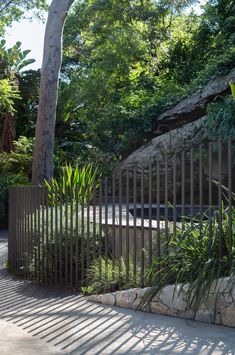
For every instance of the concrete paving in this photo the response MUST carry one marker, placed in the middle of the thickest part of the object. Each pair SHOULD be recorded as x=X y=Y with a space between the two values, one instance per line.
x=41 y=320
x=14 y=340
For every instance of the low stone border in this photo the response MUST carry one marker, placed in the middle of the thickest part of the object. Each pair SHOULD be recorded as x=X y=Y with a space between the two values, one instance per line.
x=166 y=304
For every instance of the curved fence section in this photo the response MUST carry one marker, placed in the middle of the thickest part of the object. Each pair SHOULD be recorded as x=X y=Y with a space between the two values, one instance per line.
x=124 y=222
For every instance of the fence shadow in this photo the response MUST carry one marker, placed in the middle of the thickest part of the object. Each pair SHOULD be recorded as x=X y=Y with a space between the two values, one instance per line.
x=72 y=325
x=55 y=236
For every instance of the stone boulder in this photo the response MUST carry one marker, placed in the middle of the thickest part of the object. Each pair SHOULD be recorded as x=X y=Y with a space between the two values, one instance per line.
x=195 y=105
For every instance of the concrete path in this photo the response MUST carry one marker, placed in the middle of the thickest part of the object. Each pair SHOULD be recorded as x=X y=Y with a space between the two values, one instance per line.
x=40 y=320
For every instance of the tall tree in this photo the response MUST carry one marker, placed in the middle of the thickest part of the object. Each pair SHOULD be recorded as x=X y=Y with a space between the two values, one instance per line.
x=52 y=58
x=113 y=54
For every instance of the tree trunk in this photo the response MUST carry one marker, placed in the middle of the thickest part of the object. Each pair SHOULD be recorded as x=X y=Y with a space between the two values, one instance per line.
x=52 y=58
x=8 y=132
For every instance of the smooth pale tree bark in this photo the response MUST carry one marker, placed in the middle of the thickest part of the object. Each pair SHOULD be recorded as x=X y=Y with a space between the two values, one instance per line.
x=52 y=58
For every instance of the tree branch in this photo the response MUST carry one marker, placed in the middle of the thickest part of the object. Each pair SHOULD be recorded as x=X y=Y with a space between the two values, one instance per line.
x=5 y=6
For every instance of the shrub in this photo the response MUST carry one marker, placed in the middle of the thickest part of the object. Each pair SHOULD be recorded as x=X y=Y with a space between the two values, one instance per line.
x=220 y=122
x=74 y=183
x=108 y=276
x=6 y=181
x=197 y=255
x=18 y=161
x=61 y=249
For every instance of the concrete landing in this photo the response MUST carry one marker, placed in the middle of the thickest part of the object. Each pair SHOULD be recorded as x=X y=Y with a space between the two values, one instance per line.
x=41 y=320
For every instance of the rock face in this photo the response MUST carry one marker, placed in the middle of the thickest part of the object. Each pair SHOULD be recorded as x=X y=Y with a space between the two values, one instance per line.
x=185 y=124
x=194 y=106
x=178 y=122
x=171 y=302
x=170 y=142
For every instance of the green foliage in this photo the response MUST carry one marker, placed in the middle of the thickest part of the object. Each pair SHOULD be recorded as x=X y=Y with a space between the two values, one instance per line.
x=107 y=276
x=14 y=10
x=220 y=122
x=19 y=160
x=77 y=184
x=8 y=180
x=125 y=62
x=198 y=257
x=232 y=86
x=56 y=253
x=114 y=91
x=216 y=66
x=13 y=60
x=17 y=84
x=8 y=93
x=27 y=107
x=212 y=35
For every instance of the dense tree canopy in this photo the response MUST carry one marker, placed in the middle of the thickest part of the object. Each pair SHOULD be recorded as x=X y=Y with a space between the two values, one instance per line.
x=127 y=61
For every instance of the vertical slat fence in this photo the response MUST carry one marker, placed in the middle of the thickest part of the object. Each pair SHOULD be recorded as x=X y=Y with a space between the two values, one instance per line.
x=125 y=222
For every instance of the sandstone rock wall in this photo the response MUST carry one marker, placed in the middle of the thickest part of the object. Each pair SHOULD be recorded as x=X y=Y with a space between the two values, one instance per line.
x=171 y=142
x=176 y=142
x=194 y=106
x=185 y=124
x=167 y=304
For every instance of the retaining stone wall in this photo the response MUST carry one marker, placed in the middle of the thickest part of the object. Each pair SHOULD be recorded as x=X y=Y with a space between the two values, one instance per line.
x=166 y=304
